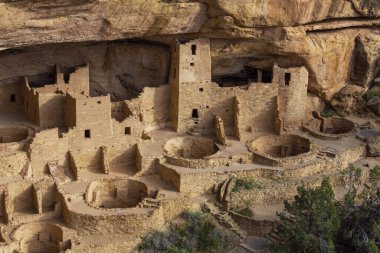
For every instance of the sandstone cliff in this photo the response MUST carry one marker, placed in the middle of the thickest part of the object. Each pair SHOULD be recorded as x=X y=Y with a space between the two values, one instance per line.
x=337 y=40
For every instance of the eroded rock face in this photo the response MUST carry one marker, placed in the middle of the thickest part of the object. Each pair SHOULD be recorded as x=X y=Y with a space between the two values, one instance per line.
x=374 y=146
x=337 y=40
x=119 y=68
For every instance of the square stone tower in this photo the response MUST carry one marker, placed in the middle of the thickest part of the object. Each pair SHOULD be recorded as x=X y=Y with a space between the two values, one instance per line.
x=190 y=63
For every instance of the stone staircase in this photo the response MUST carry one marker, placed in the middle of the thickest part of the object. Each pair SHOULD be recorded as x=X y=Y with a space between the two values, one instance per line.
x=195 y=130
x=150 y=203
x=224 y=219
x=273 y=236
x=326 y=152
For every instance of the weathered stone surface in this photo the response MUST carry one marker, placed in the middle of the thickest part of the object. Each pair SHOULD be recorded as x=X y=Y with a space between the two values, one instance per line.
x=349 y=99
x=365 y=59
x=374 y=146
x=374 y=103
x=319 y=33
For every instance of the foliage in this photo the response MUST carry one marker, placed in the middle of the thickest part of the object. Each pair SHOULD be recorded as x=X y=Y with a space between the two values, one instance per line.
x=328 y=114
x=360 y=231
x=315 y=222
x=310 y=221
x=197 y=234
x=371 y=94
x=245 y=184
x=247 y=212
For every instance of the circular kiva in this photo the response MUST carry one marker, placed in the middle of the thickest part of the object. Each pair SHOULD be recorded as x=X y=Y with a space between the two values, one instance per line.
x=281 y=150
x=39 y=237
x=116 y=193
x=329 y=128
x=190 y=147
x=193 y=152
x=9 y=135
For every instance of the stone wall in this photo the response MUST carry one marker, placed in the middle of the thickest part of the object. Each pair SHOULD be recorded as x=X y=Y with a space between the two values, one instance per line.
x=40 y=150
x=10 y=95
x=152 y=107
x=293 y=104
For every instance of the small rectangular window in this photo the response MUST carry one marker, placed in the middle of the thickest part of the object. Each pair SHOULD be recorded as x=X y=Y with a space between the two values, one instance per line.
x=195 y=114
x=127 y=131
x=287 y=78
x=193 y=49
x=192 y=64
x=87 y=133
x=13 y=98
x=99 y=102
x=201 y=89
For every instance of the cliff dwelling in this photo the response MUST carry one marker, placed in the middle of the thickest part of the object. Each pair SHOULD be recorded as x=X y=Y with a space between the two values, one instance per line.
x=113 y=128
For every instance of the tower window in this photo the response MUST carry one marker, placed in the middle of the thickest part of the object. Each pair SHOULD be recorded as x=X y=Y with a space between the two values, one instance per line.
x=66 y=77
x=192 y=64
x=127 y=131
x=13 y=98
x=87 y=133
x=267 y=76
x=193 y=49
x=201 y=89
x=195 y=114
x=287 y=78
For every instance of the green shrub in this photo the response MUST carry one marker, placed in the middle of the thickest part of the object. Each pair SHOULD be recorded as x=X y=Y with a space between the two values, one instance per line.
x=198 y=234
x=371 y=94
x=316 y=222
x=247 y=212
x=245 y=184
x=328 y=114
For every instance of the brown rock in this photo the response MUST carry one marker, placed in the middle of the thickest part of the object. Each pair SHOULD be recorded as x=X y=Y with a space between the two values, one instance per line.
x=374 y=146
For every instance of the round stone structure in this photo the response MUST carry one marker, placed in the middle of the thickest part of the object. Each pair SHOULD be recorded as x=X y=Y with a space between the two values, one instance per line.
x=40 y=237
x=282 y=150
x=9 y=135
x=190 y=147
x=332 y=128
x=115 y=193
x=13 y=139
x=193 y=152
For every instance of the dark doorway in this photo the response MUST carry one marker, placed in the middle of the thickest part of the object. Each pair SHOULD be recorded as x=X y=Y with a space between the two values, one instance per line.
x=267 y=76
x=193 y=49
x=127 y=131
x=195 y=113
x=13 y=98
x=287 y=78
x=87 y=133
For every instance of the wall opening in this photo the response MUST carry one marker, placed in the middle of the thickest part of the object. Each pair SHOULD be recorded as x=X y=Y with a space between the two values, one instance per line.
x=200 y=89
x=87 y=133
x=195 y=114
x=13 y=98
x=127 y=131
x=66 y=77
x=192 y=64
x=287 y=78
x=193 y=49
x=267 y=76
x=99 y=102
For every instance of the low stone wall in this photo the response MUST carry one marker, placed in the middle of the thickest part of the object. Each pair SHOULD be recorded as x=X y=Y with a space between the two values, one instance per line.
x=169 y=175
x=252 y=226
x=204 y=163
x=138 y=221
x=13 y=163
x=108 y=189
x=283 y=150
